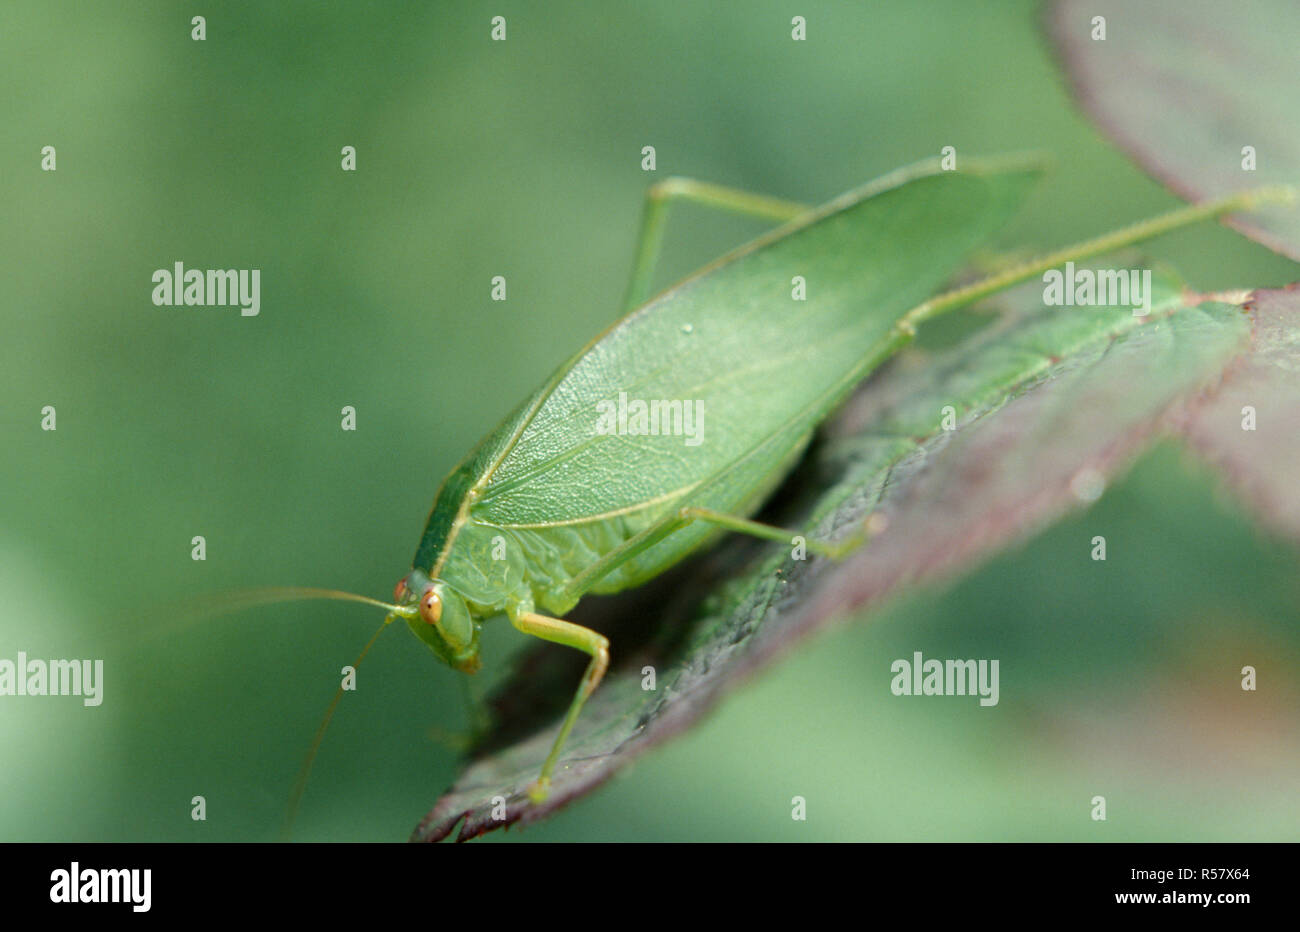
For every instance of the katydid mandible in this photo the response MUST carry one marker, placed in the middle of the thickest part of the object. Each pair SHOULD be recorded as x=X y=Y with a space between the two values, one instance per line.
x=548 y=508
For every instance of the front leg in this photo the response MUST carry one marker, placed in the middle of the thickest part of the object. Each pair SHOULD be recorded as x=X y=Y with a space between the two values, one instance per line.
x=579 y=638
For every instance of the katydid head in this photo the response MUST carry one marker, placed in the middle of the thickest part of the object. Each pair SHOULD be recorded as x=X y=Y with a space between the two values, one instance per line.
x=441 y=619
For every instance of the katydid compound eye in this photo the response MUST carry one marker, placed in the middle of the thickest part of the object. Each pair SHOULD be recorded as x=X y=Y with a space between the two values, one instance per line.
x=399 y=591
x=431 y=607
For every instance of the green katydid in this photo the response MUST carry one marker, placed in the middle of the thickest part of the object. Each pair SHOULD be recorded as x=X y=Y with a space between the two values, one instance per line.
x=548 y=508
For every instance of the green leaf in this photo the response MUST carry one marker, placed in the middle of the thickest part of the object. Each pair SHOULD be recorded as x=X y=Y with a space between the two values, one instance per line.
x=1048 y=403
x=1184 y=86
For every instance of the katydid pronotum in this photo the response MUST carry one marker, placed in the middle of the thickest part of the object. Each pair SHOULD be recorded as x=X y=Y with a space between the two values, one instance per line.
x=548 y=508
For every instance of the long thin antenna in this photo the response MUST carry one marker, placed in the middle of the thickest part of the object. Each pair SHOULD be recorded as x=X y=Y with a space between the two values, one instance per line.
x=300 y=786
x=270 y=595
x=214 y=605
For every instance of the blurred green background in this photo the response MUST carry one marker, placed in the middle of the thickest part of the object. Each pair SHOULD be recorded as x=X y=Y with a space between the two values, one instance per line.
x=522 y=159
